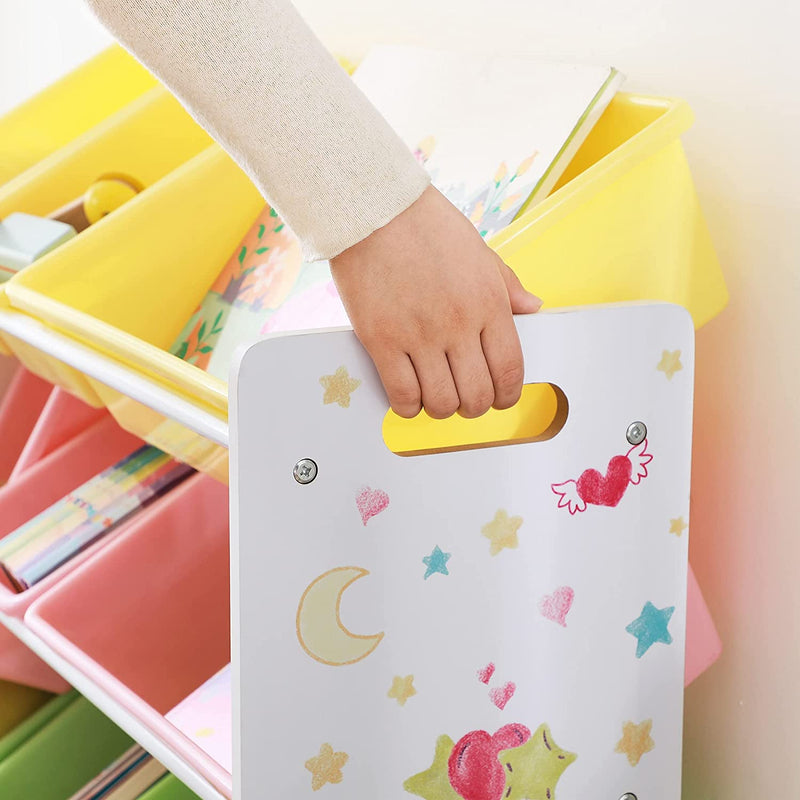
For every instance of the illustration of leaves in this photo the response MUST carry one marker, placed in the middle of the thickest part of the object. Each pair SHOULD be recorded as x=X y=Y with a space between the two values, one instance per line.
x=261 y=229
x=205 y=349
x=526 y=164
x=261 y=249
x=242 y=254
x=202 y=333
x=278 y=229
x=183 y=349
x=273 y=212
x=214 y=327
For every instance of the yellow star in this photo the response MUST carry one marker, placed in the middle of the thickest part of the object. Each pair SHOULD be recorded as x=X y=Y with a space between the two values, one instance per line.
x=677 y=526
x=636 y=740
x=670 y=362
x=326 y=767
x=434 y=783
x=502 y=531
x=338 y=387
x=535 y=767
x=402 y=689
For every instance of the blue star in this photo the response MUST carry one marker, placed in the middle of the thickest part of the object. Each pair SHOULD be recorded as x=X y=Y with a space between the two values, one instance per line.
x=651 y=627
x=436 y=562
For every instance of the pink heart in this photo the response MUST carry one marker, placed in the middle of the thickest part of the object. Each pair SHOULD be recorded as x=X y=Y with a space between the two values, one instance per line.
x=371 y=502
x=608 y=489
x=556 y=606
x=485 y=674
x=500 y=695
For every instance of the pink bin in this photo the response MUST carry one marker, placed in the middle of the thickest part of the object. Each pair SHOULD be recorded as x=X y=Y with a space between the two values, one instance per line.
x=19 y=409
x=66 y=468
x=63 y=417
x=148 y=618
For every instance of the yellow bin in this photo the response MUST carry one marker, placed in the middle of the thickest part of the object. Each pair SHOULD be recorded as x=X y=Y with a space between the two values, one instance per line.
x=624 y=223
x=68 y=108
x=145 y=140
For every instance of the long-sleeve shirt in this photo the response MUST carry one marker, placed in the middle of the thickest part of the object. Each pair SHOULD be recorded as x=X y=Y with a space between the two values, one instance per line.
x=255 y=76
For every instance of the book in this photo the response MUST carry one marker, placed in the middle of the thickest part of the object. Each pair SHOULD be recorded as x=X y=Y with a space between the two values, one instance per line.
x=48 y=540
x=495 y=134
x=127 y=778
x=205 y=717
x=112 y=775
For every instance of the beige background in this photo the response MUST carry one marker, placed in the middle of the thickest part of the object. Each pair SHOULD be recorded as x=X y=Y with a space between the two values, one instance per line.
x=738 y=65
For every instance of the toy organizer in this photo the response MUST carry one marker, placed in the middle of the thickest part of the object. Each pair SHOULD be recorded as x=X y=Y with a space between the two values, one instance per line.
x=96 y=318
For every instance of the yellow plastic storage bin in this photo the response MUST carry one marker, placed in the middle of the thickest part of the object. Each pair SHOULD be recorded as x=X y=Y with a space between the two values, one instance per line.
x=623 y=224
x=145 y=140
x=68 y=108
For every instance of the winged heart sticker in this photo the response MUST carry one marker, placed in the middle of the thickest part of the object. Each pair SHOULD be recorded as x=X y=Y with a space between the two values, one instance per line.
x=593 y=488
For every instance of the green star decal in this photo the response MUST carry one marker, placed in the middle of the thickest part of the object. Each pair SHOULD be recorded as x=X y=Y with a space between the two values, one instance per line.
x=434 y=783
x=533 y=769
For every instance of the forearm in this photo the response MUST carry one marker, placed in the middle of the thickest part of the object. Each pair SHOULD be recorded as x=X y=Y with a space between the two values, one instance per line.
x=256 y=77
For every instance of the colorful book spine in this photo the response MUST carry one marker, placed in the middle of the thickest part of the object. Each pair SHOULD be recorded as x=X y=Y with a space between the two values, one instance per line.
x=41 y=545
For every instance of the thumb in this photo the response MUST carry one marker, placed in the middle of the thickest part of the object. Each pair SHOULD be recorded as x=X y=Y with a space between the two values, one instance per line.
x=522 y=301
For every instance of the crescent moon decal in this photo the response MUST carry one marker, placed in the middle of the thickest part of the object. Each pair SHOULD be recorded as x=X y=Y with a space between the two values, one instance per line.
x=319 y=626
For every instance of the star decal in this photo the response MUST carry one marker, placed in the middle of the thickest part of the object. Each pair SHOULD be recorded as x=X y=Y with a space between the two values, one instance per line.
x=502 y=532
x=338 y=387
x=436 y=562
x=677 y=526
x=434 y=783
x=535 y=767
x=635 y=741
x=651 y=627
x=670 y=363
x=402 y=689
x=326 y=767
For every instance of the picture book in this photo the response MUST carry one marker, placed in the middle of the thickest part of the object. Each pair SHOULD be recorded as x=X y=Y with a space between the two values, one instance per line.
x=205 y=717
x=494 y=133
x=70 y=525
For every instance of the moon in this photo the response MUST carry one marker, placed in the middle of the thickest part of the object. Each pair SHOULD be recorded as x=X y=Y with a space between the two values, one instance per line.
x=319 y=626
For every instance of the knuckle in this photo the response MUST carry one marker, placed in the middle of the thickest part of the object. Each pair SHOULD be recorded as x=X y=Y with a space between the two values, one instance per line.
x=442 y=407
x=476 y=404
x=508 y=377
x=406 y=398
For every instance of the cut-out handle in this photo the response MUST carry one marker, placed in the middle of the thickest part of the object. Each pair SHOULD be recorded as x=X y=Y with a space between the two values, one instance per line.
x=538 y=416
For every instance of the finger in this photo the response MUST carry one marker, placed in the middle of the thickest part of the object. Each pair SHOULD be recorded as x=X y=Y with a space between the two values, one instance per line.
x=522 y=301
x=400 y=382
x=472 y=378
x=439 y=395
x=503 y=352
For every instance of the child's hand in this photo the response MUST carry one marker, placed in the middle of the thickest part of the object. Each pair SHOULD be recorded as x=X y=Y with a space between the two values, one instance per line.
x=432 y=305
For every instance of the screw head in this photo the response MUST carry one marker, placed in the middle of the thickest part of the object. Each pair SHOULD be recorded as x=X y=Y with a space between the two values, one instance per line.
x=628 y=796
x=305 y=470
x=636 y=434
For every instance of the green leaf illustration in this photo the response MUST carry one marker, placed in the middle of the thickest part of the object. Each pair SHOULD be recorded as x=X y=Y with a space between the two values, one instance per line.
x=242 y=254
x=273 y=212
x=262 y=250
x=279 y=228
x=261 y=229
x=205 y=349
x=182 y=350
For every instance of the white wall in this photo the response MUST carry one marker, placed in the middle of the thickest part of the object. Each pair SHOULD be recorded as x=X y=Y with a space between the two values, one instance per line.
x=738 y=65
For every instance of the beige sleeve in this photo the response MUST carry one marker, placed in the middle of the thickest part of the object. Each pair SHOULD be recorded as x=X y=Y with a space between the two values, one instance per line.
x=255 y=76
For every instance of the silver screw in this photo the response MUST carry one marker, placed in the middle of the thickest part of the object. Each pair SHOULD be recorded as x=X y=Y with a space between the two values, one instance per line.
x=628 y=796
x=305 y=470
x=636 y=434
